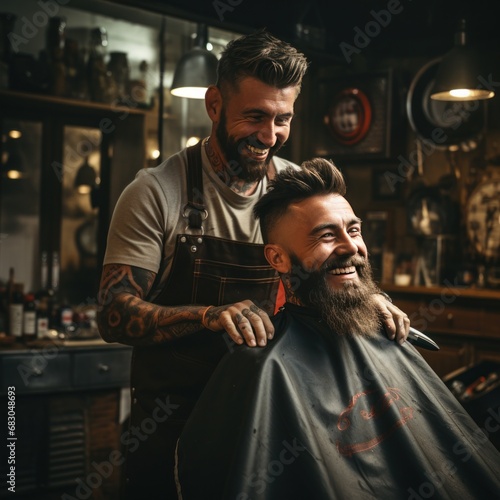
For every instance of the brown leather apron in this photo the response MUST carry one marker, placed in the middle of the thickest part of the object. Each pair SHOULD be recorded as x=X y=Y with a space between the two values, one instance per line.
x=168 y=378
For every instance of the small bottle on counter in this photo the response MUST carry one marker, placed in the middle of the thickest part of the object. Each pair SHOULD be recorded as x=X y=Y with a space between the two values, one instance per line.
x=65 y=317
x=29 y=317
x=42 y=320
x=16 y=310
x=3 y=311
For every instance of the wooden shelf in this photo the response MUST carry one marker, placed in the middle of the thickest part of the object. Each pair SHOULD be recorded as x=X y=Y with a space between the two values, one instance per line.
x=464 y=292
x=14 y=96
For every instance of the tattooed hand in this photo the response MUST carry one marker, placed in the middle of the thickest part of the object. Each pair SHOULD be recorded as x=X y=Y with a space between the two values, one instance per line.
x=243 y=321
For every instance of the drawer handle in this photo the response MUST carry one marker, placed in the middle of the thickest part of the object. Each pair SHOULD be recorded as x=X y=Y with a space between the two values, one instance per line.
x=103 y=368
x=450 y=317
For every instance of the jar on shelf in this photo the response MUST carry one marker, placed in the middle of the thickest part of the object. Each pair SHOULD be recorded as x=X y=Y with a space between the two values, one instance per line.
x=120 y=70
x=76 y=81
x=101 y=85
x=55 y=43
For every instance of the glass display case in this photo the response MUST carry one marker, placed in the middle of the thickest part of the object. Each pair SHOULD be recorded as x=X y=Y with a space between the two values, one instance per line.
x=89 y=89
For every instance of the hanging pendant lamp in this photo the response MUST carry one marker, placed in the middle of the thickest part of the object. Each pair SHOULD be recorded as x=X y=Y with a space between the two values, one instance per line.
x=457 y=78
x=86 y=178
x=196 y=70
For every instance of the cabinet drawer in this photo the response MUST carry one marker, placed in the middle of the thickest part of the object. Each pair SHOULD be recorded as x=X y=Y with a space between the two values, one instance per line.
x=436 y=315
x=490 y=324
x=109 y=368
x=453 y=319
x=36 y=372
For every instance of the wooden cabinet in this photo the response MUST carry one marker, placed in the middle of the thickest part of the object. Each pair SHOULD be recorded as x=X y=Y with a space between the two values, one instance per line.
x=67 y=426
x=464 y=322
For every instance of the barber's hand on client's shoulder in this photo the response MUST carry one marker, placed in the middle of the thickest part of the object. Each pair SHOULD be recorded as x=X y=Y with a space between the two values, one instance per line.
x=396 y=322
x=243 y=321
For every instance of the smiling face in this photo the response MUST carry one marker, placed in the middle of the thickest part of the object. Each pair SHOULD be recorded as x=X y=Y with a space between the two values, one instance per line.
x=323 y=233
x=318 y=249
x=251 y=124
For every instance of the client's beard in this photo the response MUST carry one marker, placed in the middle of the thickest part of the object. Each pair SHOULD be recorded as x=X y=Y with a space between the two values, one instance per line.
x=352 y=310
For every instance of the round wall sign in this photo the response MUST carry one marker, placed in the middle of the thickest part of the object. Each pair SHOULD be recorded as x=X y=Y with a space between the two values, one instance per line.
x=350 y=116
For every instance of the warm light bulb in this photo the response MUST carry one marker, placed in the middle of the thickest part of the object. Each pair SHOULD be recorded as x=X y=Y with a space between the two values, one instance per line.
x=155 y=154
x=191 y=92
x=14 y=174
x=463 y=95
x=192 y=141
x=84 y=189
x=15 y=134
x=460 y=93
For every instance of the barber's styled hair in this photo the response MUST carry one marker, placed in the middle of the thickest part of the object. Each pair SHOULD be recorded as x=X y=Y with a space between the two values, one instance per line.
x=262 y=56
x=315 y=177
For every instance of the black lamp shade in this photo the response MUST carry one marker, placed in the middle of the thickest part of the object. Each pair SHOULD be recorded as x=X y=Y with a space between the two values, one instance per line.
x=460 y=69
x=457 y=78
x=196 y=70
x=85 y=179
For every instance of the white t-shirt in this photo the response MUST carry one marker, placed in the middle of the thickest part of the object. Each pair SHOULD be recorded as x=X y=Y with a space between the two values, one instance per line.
x=149 y=213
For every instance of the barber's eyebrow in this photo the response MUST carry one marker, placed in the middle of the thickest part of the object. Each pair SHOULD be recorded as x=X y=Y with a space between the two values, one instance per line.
x=330 y=225
x=258 y=111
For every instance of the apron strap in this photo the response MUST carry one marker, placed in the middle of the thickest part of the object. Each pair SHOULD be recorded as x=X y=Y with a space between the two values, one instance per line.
x=195 y=210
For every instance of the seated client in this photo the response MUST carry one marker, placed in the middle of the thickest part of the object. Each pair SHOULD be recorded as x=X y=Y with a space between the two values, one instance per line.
x=331 y=408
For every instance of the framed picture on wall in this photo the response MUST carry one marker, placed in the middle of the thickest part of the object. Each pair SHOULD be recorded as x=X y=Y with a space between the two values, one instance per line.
x=353 y=116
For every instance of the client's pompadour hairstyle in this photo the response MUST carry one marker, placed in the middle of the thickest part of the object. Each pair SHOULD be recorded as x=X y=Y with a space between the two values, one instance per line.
x=315 y=177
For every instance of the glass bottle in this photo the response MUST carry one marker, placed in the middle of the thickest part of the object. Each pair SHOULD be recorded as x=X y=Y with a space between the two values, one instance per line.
x=119 y=68
x=16 y=309
x=3 y=311
x=65 y=318
x=101 y=85
x=55 y=44
x=76 y=82
x=42 y=320
x=29 y=317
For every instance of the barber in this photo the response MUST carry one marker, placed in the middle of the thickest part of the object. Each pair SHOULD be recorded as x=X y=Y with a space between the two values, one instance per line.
x=184 y=255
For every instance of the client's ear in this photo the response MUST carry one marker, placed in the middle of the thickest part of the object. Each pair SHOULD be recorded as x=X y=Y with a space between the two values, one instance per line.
x=277 y=258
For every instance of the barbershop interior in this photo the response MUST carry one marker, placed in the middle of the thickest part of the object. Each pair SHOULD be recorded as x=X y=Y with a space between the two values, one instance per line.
x=88 y=98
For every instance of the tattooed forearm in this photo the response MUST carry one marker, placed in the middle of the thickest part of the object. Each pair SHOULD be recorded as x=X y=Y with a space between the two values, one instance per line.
x=124 y=316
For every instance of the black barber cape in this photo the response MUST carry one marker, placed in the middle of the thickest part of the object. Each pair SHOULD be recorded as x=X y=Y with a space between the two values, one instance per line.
x=320 y=416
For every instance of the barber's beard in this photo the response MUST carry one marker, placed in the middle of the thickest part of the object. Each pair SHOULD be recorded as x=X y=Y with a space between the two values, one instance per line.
x=238 y=164
x=351 y=310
